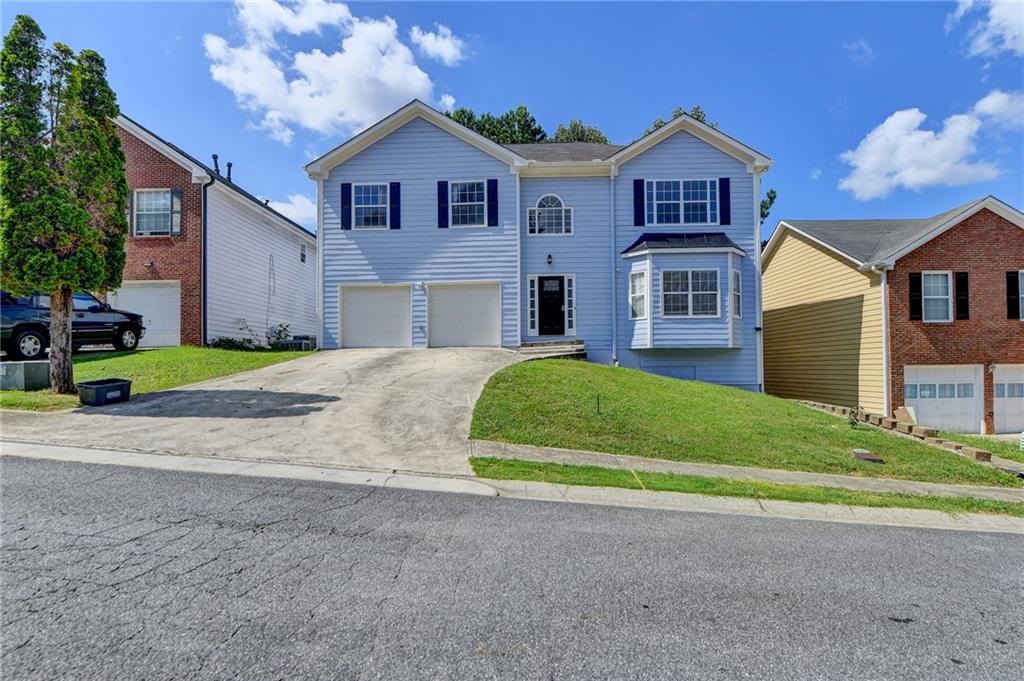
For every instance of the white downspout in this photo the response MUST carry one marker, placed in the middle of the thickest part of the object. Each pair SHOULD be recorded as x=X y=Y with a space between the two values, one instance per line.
x=519 y=262
x=614 y=268
x=320 y=259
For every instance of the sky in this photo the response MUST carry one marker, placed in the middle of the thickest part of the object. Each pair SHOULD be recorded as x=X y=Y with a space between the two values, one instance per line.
x=874 y=109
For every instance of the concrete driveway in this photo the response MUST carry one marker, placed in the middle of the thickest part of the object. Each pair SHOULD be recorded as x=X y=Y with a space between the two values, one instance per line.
x=381 y=409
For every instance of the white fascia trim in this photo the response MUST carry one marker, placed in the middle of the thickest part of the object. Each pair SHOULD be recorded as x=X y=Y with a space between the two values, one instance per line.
x=1001 y=209
x=414 y=109
x=199 y=174
x=773 y=243
x=756 y=161
x=277 y=221
x=596 y=168
x=679 y=251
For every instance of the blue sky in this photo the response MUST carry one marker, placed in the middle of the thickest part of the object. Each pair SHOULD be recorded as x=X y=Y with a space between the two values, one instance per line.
x=868 y=109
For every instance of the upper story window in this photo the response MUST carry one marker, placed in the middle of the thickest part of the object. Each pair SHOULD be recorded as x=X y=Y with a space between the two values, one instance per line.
x=638 y=295
x=737 y=294
x=550 y=216
x=689 y=293
x=157 y=212
x=468 y=204
x=370 y=206
x=302 y=252
x=937 y=296
x=682 y=202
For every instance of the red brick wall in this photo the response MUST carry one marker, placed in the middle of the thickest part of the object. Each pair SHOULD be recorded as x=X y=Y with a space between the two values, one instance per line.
x=168 y=257
x=986 y=246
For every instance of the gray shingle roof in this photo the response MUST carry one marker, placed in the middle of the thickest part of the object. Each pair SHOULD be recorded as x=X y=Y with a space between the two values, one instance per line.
x=874 y=240
x=564 y=151
x=660 y=240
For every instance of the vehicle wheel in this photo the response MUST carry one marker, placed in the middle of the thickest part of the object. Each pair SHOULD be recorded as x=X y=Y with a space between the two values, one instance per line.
x=127 y=339
x=28 y=344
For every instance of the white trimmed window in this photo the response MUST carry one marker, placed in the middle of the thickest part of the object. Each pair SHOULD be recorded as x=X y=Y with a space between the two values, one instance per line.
x=302 y=252
x=638 y=295
x=468 y=201
x=550 y=216
x=937 y=296
x=689 y=293
x=737 y=294
x=570 y=305
x=533 y=305
x=682 y=202
x=157 y=212
x=1020 y=288
x=370 y=206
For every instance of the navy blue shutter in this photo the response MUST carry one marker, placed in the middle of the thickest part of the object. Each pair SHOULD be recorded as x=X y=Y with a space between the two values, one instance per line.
x=962 y=296
x=346 y=205
x=1012 y=295
x=724 y=202
x=395 y=205
x=492 y=203
x=442 y=205
x=638 y=203
x=916 y=302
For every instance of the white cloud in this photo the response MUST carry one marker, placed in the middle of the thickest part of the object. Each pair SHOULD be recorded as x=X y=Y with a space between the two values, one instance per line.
x=447 y=102
x=815 y=174
x=1004 y=108
x=341 y=90
x=899 y=153
x=859 y=51
x=443 y=46
x=1000 y=30
x=299 y=208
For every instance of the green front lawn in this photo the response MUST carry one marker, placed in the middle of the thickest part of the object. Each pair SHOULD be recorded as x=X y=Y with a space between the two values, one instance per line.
x=1007 y=450
x=149 y=371
x=593 y=476
x=553 y=403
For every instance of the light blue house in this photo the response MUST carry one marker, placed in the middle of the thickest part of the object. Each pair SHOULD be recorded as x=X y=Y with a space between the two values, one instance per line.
x=431 y=235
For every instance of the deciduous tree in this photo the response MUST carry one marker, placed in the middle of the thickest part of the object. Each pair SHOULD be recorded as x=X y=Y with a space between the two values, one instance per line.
x=578 y=131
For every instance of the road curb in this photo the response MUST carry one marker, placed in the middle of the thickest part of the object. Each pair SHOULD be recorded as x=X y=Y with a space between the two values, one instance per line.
x=203 y=464
x=699 y=503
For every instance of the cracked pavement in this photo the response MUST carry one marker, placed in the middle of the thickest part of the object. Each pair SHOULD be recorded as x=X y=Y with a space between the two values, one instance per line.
x=116 y=572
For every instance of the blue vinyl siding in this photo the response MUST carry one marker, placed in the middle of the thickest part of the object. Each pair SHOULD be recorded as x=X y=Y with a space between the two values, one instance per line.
x=689 y=332
x=418 y=155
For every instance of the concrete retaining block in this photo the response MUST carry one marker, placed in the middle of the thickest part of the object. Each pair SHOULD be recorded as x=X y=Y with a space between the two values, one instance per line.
x=888 y=424
x=976 y=454
x=904 y=427
x=924 y=431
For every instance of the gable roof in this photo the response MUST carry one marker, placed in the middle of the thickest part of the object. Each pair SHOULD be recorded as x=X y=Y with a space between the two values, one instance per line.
x=565 y=151
x=673 y=241
x=200 y=171
x=868 y=243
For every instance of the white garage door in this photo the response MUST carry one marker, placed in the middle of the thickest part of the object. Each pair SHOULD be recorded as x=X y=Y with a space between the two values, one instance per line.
x=1009 y=398
x=946 y=397
x=462 y=315
x=376 y=316
x=159 y=303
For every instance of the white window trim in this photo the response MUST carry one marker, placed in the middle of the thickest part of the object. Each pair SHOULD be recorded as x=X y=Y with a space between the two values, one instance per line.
x=135 y=213
x=736 y=291
x=682 y=222
x=532 y=213
x=1020 y=292
x=646 y=292
x=949 y=302
x=387 y=206
x=689 y=295
x=451 y=204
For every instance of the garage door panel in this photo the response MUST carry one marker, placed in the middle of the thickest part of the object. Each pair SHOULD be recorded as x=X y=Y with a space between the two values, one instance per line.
x=159 y=303
x=376 y=317
x=947 y=397
x=1008 y=402
x=464 y=315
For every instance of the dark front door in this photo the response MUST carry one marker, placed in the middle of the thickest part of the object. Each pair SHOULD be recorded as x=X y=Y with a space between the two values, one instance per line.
x=551 y=306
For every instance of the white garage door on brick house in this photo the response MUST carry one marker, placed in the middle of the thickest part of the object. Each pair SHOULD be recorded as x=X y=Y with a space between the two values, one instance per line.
x=948 y=397
x=464 y=315
x=1008 y=402
x=159 y=303
x=376 y=316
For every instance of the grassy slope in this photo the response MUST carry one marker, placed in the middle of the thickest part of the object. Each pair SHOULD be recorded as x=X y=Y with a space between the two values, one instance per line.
x=553 y=403
x=149 y=370
x=592 y=476
x=1007 y=450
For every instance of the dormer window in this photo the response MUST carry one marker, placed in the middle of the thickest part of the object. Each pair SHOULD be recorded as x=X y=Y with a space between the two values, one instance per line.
x=550 y=216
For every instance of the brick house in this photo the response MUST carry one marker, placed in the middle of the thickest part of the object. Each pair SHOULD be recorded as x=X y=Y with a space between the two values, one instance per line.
x=204 y=258
x=923 y=313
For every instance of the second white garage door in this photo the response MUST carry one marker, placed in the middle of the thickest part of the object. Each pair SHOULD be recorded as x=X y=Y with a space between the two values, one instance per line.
x=947 y=397
x=461 y=315
x=1009 y=398
x=376 y=317
x=159 y=303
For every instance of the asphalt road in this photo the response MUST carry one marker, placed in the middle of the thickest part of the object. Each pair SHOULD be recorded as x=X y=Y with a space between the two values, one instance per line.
x=121 y=573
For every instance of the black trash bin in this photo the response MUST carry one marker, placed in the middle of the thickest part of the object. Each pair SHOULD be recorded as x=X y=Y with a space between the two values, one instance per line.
x=106 y=391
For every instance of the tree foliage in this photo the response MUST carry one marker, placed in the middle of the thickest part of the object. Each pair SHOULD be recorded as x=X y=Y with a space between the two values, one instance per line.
x=578 y=131
x=695 y=113
x=515 y=126
x=62 y=184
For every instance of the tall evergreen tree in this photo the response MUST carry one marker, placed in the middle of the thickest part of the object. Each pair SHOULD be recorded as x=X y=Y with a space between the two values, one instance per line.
x=515 y=126
x=62 y=185
x=578 y=131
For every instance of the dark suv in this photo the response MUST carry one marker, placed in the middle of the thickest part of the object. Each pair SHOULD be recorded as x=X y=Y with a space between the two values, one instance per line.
x=25 y=325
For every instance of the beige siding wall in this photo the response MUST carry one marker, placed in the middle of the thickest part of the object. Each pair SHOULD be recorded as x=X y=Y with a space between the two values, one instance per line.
x=822 y=327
